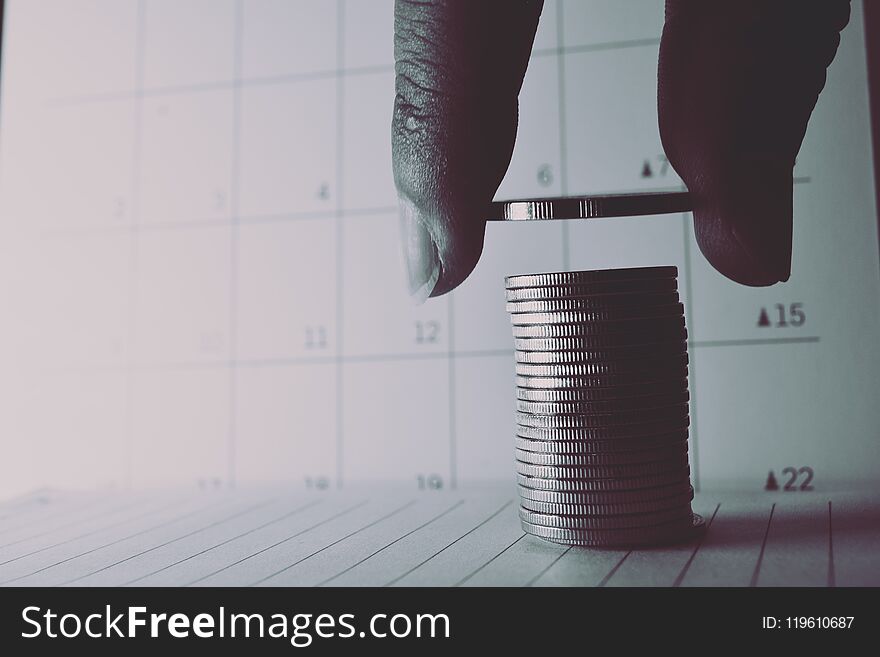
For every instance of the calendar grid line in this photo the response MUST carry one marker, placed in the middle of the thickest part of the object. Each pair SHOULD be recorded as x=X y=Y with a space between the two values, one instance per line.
x=621 y=44
x=563 y=153
x=692 y=360
x=244 y=220
x=450 y=363
x=340 y=245
x=234 y=186
x=219 y=85
x=321 y=74
x=391 y=357
x=134 y=242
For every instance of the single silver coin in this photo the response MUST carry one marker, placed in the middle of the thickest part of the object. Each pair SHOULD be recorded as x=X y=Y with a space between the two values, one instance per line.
x=608 y=341
x=624 y=405
x=605 y=496
x=614 y=446
x=655 y=350
x=596 y=302
x=646 y=329
x=616 y=472
x=596 y=485
x=597 y=368
x=670 y=532
x=596 y=290
x=590 y=277
x=675 y=414
x=591 y=207
x=650 y=455
x=623 y=432
x=612 y=509
x=607 y=315
x=592 y=394
x=603 y=380
x=591 y=521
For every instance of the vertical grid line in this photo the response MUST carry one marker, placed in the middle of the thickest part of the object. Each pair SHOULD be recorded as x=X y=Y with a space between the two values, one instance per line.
x=134 y=241
x=832 y=578
x=339 y=218
x=563 y=167
x=450 y=359
x=232 y=333
x=692 y=361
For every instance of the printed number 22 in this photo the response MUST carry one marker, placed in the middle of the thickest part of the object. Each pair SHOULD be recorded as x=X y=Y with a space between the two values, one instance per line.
x=793 y=473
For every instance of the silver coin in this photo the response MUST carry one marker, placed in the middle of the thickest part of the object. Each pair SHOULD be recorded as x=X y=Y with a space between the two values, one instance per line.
x=646 y=506
x=597 y=368
x=666 y=533
x=650 y=455
x=591 y=521
x=601 y=342
x=595 y=290
x=591 y=207
x=675 y=414
x=623 y=432
x=646 y=328
x=596 y=394
x=589 y=316
x=605 y=497
x=624 y=405
x=597 y=302
x=615 y=446
x=616 y=472
x=655 y=350
x=589 y=277
x=601 y=381
x=597 y=485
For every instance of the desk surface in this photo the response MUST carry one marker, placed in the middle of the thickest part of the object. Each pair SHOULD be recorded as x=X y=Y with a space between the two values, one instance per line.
x=388 y=537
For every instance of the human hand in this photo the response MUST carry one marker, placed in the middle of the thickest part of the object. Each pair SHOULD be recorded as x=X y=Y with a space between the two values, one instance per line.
x=737 y=83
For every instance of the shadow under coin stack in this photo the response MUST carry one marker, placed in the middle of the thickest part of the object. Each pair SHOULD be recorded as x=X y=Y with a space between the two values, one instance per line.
x=602 y=407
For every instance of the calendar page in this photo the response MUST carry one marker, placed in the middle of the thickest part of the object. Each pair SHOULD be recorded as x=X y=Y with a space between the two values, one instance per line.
x=200 y=278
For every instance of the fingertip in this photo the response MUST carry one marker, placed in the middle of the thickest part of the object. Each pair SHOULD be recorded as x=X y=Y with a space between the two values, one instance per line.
x=729 y=257
x=420 y=256
x=440 y=248
x=459 y=267
x=744 y=228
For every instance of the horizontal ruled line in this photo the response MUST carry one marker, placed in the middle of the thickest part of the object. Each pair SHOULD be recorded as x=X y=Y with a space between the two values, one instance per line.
x=752 y=342
x=382 y=358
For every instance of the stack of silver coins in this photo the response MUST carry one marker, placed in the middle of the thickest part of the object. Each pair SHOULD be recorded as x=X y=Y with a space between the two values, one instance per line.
x=602 y=407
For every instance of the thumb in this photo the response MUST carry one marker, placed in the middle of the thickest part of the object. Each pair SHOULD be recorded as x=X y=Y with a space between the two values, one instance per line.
x=737 y=83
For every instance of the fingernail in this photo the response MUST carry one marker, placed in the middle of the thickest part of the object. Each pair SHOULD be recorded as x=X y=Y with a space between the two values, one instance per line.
x=773 y=265
x=745 y=228
x=419 y=253
x=764 y=228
